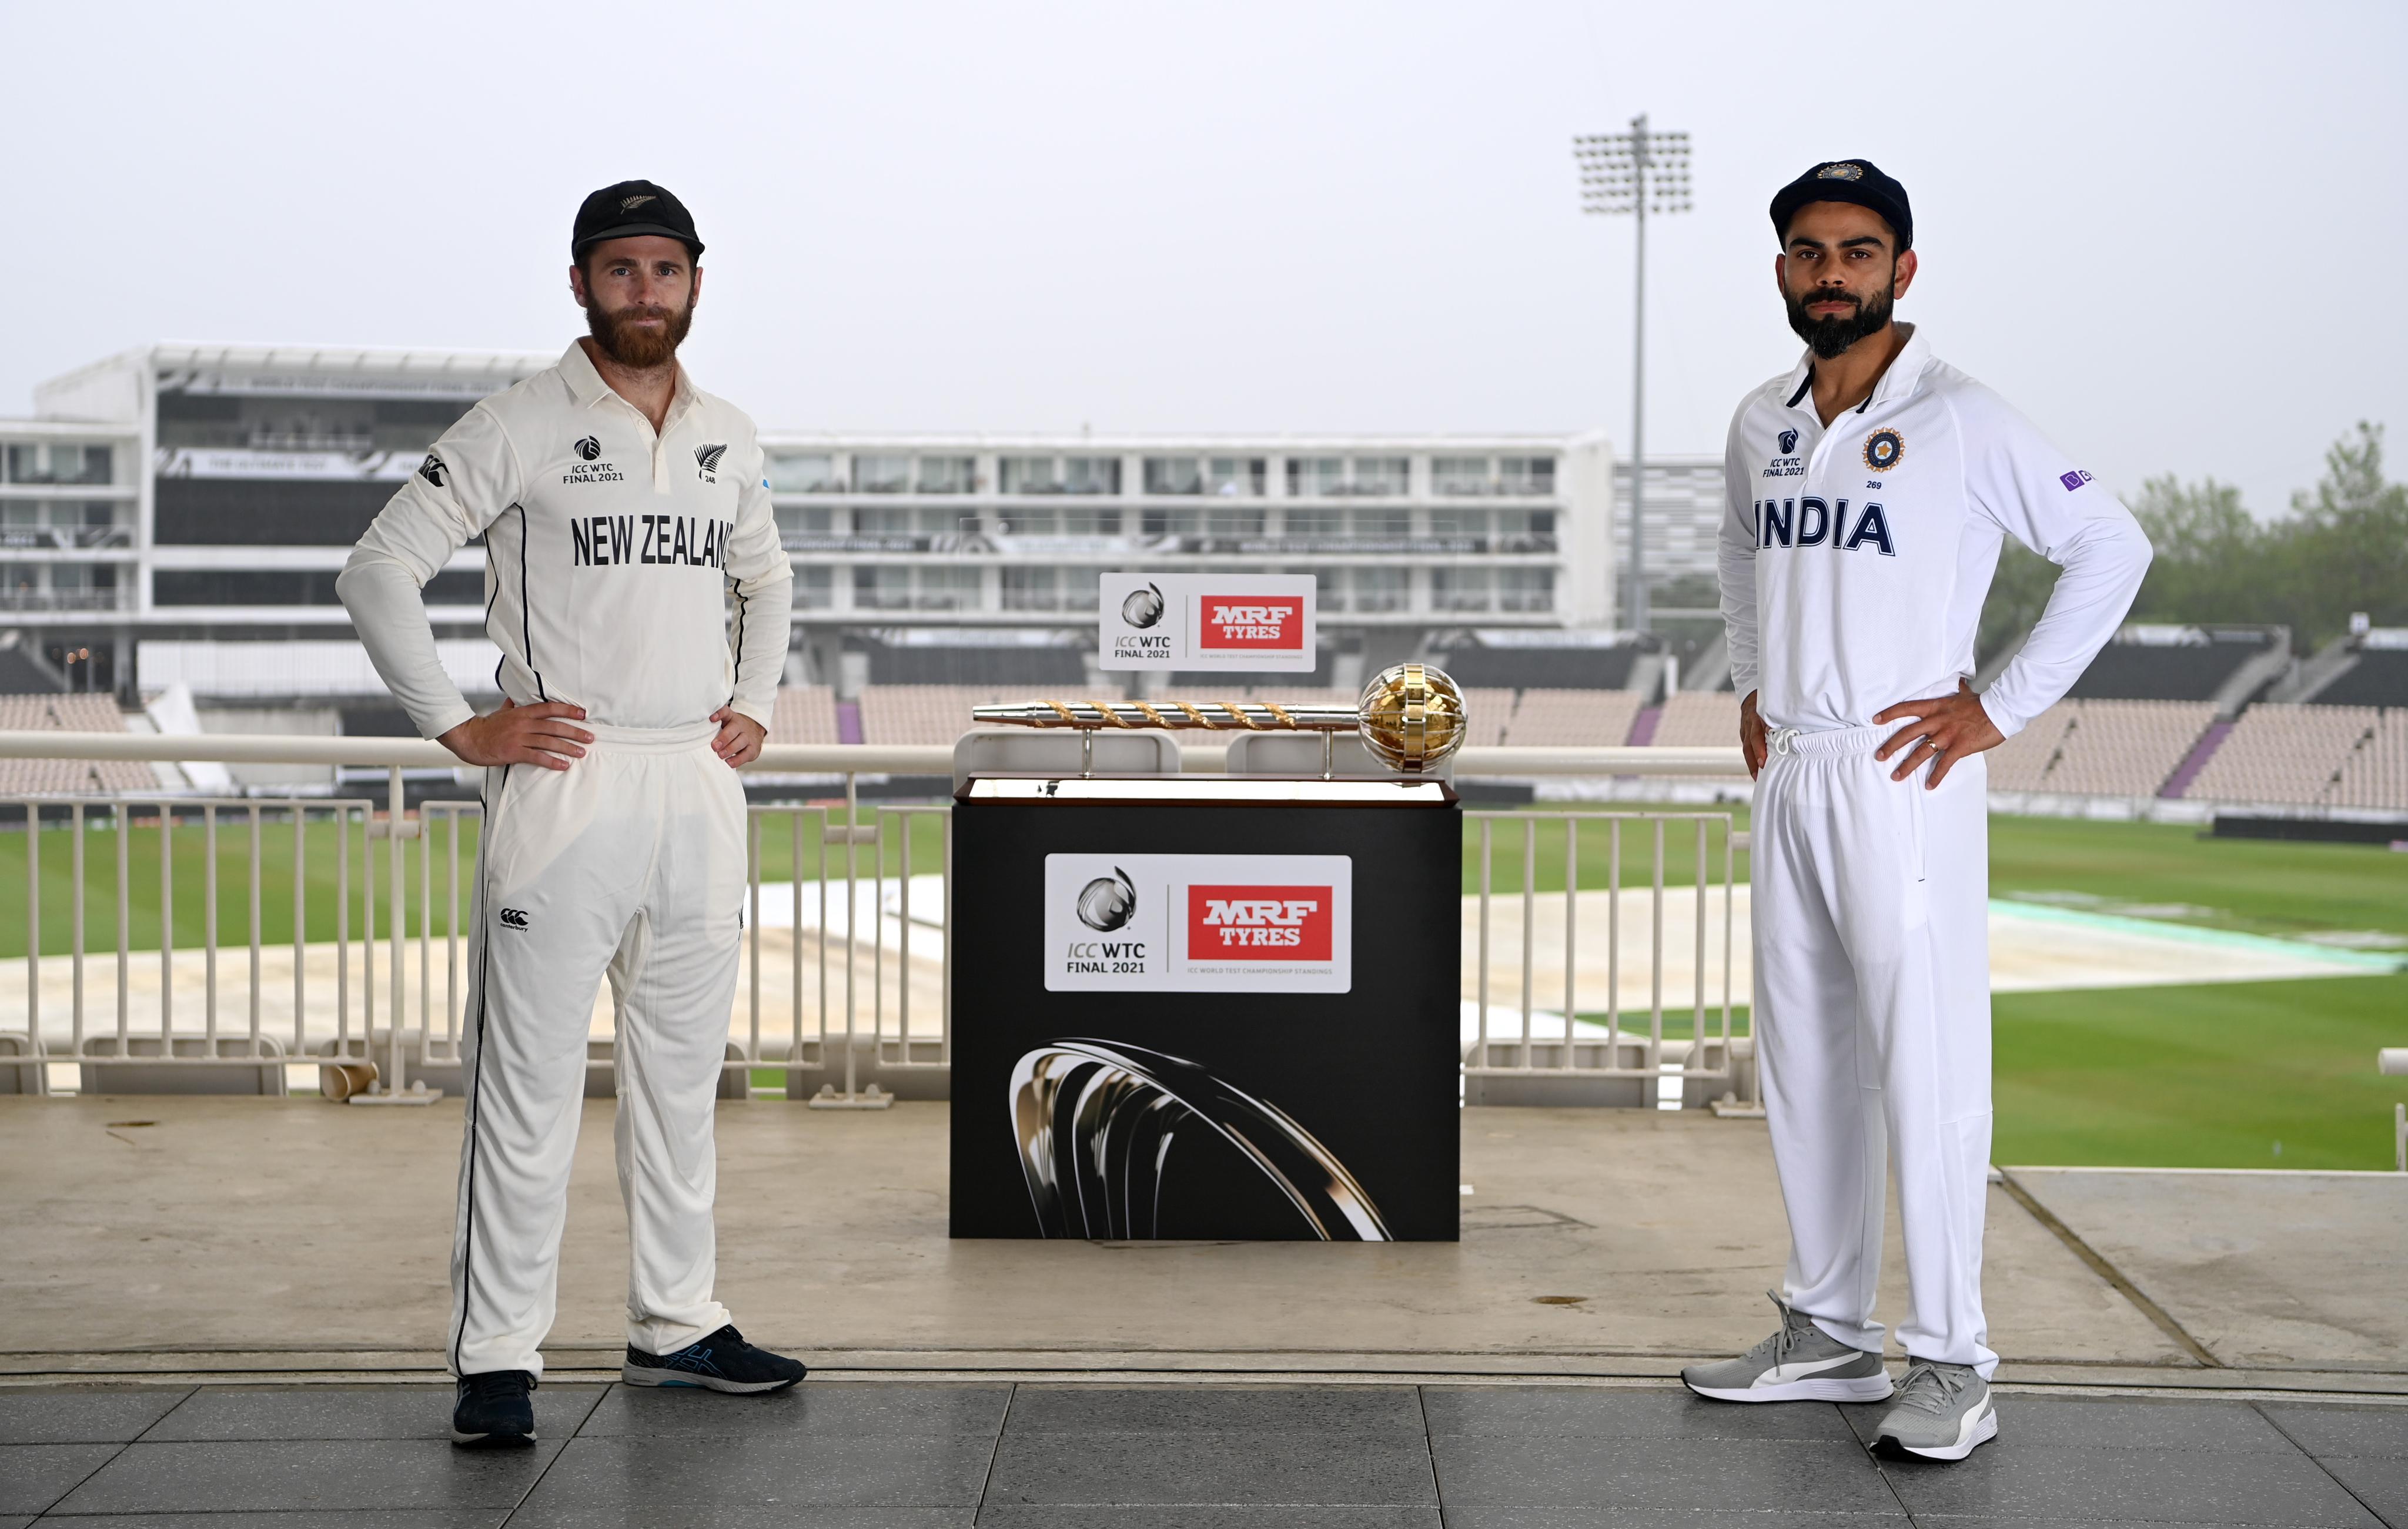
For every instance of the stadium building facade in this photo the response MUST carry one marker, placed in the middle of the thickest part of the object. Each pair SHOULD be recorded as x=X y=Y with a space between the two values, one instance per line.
x=187 y=507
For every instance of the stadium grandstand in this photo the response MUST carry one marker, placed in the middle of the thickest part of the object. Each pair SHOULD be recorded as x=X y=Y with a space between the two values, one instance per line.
x=68 y=713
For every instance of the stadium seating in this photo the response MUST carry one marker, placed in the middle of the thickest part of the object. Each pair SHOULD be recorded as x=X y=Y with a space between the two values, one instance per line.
x=1570 y=719
x=2022 y=763
x=57 y=713
x=2376 y=775
x=805 y=714
x=1698 y=719
x=2284 y=754
x=2123 y=747
x=924 y=714
x=1492 y=712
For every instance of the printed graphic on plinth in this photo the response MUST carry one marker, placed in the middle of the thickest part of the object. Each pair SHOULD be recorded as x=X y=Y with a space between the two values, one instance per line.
x=1198 y=924
x=1239 y=622
x=1103 y=1126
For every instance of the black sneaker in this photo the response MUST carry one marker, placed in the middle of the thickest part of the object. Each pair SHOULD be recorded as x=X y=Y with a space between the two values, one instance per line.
x=720 y=1362
x=495 y=1410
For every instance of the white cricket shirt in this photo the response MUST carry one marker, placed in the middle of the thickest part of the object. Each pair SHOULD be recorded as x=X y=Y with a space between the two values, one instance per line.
x=1855 y=558
x=610 y=556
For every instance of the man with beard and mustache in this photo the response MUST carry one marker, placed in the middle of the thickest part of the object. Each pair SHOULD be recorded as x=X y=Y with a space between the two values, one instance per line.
x=1870 y=490
x=624 y=514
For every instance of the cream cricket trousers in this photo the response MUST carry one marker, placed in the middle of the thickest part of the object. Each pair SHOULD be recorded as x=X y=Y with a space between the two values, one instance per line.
x=1872 y=1025
x=629 y=864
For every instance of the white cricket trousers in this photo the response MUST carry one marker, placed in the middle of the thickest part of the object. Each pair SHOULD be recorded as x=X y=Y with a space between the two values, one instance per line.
x=630 y=862
x=1872 y=1024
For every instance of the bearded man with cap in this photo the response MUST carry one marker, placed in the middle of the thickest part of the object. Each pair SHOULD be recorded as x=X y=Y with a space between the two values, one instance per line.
x=636 y=587
x=1870 y=490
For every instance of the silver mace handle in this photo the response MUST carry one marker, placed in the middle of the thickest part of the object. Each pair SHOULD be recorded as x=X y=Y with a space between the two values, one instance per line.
x=1210 y=716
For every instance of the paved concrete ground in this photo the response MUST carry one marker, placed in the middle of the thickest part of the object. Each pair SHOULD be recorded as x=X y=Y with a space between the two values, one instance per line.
x=907 y=1455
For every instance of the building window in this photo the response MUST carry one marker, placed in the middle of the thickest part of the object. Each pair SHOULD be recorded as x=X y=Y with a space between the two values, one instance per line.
x=1328 y=589
x=1315 y=477
x=948 y=588
x=948 y=474
x=814 y=588
x=1032 y=522
x=1236 y=478
x=1079 y=587
x=1461 y=590
x=1382 y=524
x=1525 y=474
x=1091 y=523
x=1376 y=591
x=1031 y=589
x=882 y=589
x=882 y=474
x=59 y=462
x=813 y=473
x=806 y=521
x=1173 y=475
x=1525 y=590
x=1462 y=477
x=1232 y=520
x=1533 y=530
x=62 y=525
x=1170 y=522
x=1458 y=523
x=1090 y=474
x=1030 y=475
x=1383 y=476
x=1312 y=522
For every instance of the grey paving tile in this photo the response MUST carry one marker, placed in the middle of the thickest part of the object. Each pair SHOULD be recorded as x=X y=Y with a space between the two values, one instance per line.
x=2081 y=1423
x=2343 y=1430
x=746 y=1516
x=487 y=1518
x=666 y=1475
x=2006 y=1479
x=1129 y=1410
x=328 y=1412
x=2381 y=1482
x=1594 y=1413
x=1679 y=1473
x=1995 y=1521
x=1225 y=1467
x=80 y=1415
x=827 y=1410
x=14 y=1522
x=318 y=1476
x=34 y=1476
x=1188 y=1516
x=1664 y=1518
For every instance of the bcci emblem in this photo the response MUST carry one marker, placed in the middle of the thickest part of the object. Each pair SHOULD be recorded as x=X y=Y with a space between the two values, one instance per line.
x=1107 y=902
x=1884 y=450
x=1840 y=172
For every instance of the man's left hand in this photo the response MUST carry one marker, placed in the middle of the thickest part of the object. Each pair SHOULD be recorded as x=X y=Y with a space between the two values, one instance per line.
x=1947 y=728
x=740 y=737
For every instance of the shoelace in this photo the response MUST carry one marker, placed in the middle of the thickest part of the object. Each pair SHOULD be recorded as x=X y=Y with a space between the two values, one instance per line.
x=1929 y=1388
x=1791 y=1332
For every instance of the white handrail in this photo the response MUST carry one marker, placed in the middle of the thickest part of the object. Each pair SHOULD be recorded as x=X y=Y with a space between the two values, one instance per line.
x=785 y=758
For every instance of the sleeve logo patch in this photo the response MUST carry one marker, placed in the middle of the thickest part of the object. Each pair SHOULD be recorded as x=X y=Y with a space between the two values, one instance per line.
x=2073 y=479
x=1884 y=450
x=432 y=469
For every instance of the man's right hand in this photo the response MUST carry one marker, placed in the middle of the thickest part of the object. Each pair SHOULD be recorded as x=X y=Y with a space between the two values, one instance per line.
x=1752 y=740
x=543 y=734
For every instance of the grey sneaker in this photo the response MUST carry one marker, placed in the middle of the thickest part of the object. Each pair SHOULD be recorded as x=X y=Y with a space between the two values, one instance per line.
x=1943 y=1412
x=1800 y=1362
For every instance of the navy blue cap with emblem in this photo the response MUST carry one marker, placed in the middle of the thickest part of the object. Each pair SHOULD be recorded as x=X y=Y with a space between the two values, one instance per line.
x=627 y=210
x=1855 y=181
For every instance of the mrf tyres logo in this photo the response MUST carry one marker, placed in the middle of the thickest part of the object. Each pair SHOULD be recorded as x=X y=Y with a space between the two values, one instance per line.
x=1105 y=904
x=1254 y=622
x=1258 y=923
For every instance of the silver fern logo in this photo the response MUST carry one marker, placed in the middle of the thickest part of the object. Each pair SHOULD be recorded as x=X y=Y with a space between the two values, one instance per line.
x=1107 y=902
x=707 y=461
x=629 y=204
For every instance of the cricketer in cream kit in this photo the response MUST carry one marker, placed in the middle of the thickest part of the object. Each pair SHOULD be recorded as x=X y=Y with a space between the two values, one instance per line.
x=1854 y=561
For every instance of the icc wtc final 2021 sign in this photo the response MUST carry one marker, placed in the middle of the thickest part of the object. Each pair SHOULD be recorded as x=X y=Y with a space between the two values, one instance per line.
x=1191 y=622
x=1198 y=924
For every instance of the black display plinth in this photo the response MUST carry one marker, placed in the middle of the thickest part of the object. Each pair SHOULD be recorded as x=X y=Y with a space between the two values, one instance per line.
x=1206 y=1008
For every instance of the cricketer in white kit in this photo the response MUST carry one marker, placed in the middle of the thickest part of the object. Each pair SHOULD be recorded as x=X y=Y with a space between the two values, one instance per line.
x=624 y=512
x=1869 y=492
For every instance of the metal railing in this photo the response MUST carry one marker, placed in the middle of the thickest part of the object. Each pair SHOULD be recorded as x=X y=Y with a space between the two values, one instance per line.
x=859 y=968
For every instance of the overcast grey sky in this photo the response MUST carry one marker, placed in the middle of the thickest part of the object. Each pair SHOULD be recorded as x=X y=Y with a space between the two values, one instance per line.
x=2167 y=231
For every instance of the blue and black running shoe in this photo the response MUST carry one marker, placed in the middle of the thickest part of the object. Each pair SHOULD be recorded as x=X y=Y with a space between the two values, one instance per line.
x=721 y=1361
x=495 y=1410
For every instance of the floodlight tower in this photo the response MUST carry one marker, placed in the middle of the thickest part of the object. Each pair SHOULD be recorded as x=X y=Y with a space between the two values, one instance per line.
x=1637 y=172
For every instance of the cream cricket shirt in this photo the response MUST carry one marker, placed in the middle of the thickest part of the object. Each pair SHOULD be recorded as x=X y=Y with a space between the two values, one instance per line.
x=610 y=556
x=1855 y=558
